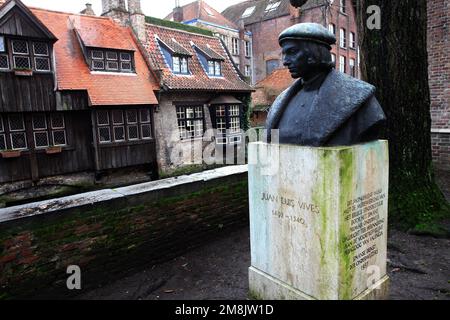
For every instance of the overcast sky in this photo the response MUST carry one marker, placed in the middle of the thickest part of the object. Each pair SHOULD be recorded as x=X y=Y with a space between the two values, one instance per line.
x=155 y=8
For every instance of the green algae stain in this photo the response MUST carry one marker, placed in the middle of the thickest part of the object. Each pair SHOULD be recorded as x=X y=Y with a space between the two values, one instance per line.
x=346 y=172
x=321 y=196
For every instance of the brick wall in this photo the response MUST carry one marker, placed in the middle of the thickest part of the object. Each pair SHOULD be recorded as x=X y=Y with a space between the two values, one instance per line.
x=439 y=73
x=111 y=233
x=265 y=35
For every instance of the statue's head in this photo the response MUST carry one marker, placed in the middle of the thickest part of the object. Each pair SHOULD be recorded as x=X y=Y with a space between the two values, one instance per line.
x=306 y=49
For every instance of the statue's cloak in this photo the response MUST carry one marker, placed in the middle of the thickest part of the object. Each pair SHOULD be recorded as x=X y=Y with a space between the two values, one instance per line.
x=344 y=109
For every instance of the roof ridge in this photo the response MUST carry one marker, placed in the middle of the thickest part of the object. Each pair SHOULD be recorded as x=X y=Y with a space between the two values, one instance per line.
x=182 y=31
x=70 y=13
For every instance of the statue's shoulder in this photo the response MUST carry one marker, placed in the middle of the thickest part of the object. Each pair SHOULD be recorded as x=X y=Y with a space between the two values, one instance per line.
x=338 y=84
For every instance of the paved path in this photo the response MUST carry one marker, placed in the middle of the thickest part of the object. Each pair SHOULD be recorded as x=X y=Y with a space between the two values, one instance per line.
x=418 y=266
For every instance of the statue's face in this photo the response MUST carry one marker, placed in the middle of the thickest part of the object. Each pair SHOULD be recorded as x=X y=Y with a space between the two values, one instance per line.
x=296 y=57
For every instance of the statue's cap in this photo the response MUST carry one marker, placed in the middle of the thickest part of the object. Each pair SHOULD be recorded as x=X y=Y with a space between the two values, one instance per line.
x=308 y=32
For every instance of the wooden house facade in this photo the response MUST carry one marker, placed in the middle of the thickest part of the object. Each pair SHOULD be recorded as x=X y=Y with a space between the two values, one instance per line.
x=81 y=93
x=76 y=95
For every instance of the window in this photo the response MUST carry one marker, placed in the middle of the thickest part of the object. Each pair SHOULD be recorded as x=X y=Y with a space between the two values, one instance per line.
x=224 y=39
x=190 y=122
x=342 y=6
x=4 y=62
x=180 y=65
x=343 y=38
x=49 y=130
x=117 y=126
x=332 y=28
x=352 y=68
x=342 y=64
x=21 y=54
x=25 y=55
x=352 y=40
x=272 y=65
x=235 y=46
x=41 y=56
x=17 y=134
x=111 y=61
x=228 y=124
x=214 y=68
x=248 y=49
x=248 y=71
x=248 y=12
x=2 y=44
x=272 y=6
x=333 y=58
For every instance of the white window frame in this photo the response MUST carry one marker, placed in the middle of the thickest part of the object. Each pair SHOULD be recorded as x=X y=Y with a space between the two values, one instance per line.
x=272 y=6
x=342 y=64
x=235 y=46
x=342 y=6
x=343 y=38
x=248 y=12
x=248 y=50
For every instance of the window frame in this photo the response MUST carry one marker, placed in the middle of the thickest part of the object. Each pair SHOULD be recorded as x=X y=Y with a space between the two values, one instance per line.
x=343 y=64
x=343 y=6
x=226 y=118
x=125 y=125
x=49 y=130
x=183 y=121
x=248 y=49
x=107 y=60
x=182 y=61
x=343 y=38
x=10 y=55
x=235 y=50
x=352 y=40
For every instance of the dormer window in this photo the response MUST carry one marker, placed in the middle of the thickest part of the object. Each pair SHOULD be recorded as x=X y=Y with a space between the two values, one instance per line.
x=210 y=59
x=111 y=61
x=176 y=56
x=180 y=65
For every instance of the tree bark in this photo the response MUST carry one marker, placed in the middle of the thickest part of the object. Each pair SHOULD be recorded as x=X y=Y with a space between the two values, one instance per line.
x=395 y=60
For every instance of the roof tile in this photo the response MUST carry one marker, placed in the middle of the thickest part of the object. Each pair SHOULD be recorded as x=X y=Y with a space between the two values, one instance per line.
x=73 y=73
x=198 y=80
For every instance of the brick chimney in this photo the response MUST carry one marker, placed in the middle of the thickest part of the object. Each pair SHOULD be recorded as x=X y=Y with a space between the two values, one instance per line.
x=117 y=10
x=178 y=15
x=137 y=19
x=88 y=10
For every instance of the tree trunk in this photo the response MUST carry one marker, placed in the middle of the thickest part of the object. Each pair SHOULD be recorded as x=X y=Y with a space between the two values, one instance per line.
x=395 y=60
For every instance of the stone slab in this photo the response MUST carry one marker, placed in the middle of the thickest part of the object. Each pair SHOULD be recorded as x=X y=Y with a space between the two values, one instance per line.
x=318 y=220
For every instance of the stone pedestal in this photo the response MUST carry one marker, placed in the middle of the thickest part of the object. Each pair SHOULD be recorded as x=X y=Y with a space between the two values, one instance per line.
x=318 y=221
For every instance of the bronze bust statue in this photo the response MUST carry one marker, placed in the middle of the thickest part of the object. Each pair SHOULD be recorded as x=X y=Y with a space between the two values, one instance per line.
x=324 y=107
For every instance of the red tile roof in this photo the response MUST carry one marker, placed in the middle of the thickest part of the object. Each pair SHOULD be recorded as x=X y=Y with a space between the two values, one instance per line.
x=202 y=11
x=269 y=88
x=111 y=36
x=198 y=80
x=72 y=71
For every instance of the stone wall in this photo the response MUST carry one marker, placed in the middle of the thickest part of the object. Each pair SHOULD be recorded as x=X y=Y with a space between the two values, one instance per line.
x=111 y=233
x=439 y=73
x=174 y=154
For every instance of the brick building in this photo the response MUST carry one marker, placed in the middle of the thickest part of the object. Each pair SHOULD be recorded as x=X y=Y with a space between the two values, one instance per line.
x=439 y=73
x=266 y=19
x=237 y=40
